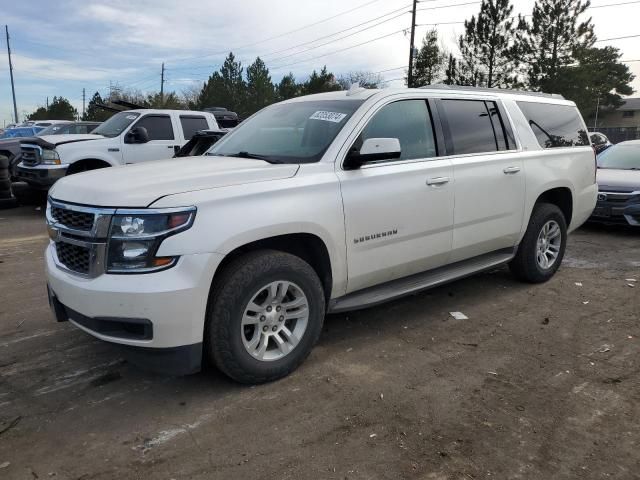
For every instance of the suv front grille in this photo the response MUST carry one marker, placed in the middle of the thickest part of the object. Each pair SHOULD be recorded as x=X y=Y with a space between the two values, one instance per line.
x=73 y=218
x=74 y=257
x=30 y=156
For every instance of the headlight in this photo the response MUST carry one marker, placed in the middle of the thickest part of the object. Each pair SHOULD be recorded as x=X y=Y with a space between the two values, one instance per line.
x=135 y=236
x=50 y=157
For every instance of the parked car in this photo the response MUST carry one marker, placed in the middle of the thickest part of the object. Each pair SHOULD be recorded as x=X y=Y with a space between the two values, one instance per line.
x=201 y=142
x=12 y=147
x=225 y=118
x=599 y=141
x=619 y=185
x=324 y=203
x=10 y=142
x=129 y=137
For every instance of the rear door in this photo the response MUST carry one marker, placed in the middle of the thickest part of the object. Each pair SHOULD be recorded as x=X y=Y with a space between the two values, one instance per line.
x=489 y=176
x=398 y=213
x=163 y=139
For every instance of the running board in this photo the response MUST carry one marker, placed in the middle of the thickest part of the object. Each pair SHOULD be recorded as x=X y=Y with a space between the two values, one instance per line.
x=371 y=296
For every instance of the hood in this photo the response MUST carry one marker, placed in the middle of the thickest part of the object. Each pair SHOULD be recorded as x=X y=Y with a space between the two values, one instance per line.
x=142 y=184
x=621 y=179
x=51 y=141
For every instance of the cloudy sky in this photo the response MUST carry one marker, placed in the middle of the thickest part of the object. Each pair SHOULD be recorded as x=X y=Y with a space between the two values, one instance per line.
x=61 y=47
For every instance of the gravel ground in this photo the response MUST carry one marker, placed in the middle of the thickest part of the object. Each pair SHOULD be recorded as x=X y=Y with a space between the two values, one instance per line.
x=541 y=382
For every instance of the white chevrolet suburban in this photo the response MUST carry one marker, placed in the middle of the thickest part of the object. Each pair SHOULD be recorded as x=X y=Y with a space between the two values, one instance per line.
x=126 y=138
x=318 y=204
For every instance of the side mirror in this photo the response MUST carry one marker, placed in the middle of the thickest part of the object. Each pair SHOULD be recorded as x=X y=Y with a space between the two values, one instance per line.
x=373 y=150
x=137 y=135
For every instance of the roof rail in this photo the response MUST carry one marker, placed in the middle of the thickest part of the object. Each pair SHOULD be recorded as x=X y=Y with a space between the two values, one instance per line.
x=442 y=86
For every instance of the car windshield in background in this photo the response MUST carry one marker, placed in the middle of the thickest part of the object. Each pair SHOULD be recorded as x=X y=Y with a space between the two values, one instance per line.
x=116 y=124
x=55 y=129
x=297 y=132
x=621 y=157
x=20 y=132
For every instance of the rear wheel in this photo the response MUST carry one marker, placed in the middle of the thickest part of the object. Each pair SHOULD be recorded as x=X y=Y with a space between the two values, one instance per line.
x=266 y=314
x=542 y=248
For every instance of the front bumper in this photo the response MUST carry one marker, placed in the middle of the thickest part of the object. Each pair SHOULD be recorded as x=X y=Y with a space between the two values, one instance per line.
x=40 y=175
x=612 y=208
x=159 y=317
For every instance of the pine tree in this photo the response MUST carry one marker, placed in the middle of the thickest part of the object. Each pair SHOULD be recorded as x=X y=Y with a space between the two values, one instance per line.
x=363 y=78
x=288 y=88
x=487 y=44
x=451 y=72
x=234 y=85
x=213 y=93
x=93 y=112
x=597 y=78
x=321 y=82
x=260 y=90
x=429 y=62
x=59 y=109
x=552 y=39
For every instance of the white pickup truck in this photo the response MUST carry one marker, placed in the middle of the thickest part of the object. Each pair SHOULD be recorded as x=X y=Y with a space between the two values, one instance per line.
x=318 y=204
x=128 y=137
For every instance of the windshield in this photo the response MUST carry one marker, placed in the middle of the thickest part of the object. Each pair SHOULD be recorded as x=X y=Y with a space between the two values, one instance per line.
x=20 y=132
x=116 y=124
x=297 y=132
x=622 y=157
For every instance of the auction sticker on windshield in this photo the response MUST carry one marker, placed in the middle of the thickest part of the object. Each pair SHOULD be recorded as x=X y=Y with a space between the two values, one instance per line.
x=334 y=117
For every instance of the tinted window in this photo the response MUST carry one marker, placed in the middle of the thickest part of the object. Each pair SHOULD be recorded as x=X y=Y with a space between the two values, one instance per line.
x=192 y=124
x=116 y=124
x=470 y=127
x=555 y=125
x=408 y=121
x=158 y=127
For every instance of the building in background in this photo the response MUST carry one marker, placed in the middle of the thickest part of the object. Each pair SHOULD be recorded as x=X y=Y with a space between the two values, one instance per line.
x=620 y=124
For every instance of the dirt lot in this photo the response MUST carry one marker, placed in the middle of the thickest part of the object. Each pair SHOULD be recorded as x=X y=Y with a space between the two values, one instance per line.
x=541 y=382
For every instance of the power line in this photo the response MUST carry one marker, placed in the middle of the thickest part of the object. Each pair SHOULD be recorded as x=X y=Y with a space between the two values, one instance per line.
x=617 y=38
x=447 y=6
x=337 y=39
x=341 y=50
x=281 y=34
x=613 y=4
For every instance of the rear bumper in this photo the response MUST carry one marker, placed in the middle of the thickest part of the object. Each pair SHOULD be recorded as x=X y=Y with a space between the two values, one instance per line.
x=40 y=175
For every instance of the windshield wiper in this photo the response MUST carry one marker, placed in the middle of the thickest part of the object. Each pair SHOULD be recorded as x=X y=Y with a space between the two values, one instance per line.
x=254 y=156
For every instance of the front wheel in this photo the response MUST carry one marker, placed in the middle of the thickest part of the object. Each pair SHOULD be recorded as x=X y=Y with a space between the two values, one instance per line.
x=266 y=314
x=542 y=248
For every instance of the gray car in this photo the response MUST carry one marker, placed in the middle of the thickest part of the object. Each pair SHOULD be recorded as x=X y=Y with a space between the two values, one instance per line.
x=619 y=185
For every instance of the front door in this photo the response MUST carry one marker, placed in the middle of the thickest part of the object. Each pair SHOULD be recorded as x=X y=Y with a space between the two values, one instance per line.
x=398 y=213
x=161 y=144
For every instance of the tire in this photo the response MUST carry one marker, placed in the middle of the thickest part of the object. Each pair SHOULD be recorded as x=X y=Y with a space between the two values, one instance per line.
x=527 y=264
x=243 y=281
x=5 y=185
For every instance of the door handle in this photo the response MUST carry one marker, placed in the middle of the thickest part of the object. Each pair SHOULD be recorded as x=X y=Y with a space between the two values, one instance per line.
x=511 y=170
x=437 y=181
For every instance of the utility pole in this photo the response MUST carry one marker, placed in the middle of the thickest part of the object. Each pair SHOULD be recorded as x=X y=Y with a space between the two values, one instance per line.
x=13 y=88
x=83 y=99
x=413 y=34
x=595 y=123
x=162 y=85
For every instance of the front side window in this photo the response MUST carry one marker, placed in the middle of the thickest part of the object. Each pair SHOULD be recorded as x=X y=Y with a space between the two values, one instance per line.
x=408 y=121
x=555 y=125
x=295 y=132
x=116 y=124
x=471 y=129
x=158 y=126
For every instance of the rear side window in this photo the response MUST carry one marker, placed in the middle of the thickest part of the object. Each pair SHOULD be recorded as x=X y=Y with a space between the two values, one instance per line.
x=192 y=124
x=471 y=128
x=408 y=121
x=158 y=127
x=555 y=125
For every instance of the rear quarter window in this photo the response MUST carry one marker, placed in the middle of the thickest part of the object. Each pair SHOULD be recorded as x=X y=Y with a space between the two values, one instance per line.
x=555 y=125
